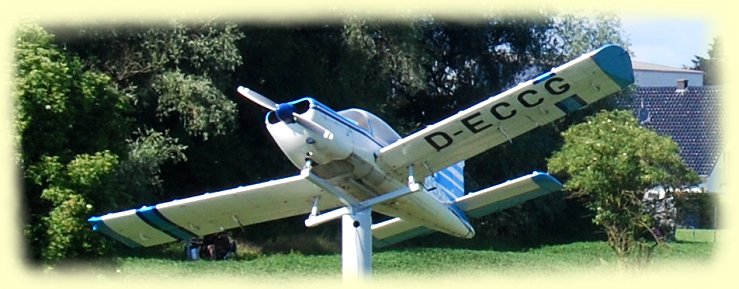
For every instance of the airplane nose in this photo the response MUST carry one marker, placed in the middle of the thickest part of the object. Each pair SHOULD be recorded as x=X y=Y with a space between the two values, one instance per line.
x=285 y=112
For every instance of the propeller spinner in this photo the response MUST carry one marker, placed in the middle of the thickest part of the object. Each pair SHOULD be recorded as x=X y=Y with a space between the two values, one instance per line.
x=285 y=112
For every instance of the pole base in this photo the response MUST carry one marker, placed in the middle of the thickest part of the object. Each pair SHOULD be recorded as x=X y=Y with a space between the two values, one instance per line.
x=356 y=244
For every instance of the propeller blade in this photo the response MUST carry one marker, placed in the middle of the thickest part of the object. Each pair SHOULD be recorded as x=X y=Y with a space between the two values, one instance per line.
x=257 y=98
x=313 y=126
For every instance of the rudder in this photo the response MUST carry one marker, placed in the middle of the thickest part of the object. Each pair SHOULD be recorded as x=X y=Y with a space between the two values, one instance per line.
x=447 y=184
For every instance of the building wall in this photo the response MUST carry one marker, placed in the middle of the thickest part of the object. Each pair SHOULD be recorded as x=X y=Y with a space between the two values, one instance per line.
x=716 y=181
x=648 y=78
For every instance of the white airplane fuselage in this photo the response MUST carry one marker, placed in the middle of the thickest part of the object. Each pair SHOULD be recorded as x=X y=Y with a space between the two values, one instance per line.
x=347 y=160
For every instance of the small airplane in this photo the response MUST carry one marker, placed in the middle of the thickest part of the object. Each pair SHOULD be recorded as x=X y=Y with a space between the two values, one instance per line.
x=353 y=163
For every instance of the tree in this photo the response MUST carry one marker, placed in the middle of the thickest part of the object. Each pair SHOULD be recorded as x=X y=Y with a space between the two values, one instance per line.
x=66 y=173
x=710 y=66
x=174 y=73
x=573 y=35
x=72 y=127
x=179 y=79
x=434 y=67
x=610 y=161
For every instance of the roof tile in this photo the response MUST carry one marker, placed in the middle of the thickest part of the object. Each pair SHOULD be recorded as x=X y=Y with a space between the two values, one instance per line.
x=690 y=117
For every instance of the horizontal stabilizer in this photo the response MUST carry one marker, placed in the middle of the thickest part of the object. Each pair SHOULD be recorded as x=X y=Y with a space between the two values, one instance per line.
x=475 y=205
x=396 y=230
x=508 y=194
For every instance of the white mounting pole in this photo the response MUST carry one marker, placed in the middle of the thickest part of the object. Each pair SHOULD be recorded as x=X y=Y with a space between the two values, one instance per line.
x=356 y=244
x=356 y=222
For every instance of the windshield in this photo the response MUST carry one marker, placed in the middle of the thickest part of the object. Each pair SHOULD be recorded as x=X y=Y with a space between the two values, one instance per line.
x=372 y=124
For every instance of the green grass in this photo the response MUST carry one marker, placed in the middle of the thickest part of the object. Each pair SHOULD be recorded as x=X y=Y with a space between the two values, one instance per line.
x=554 y=259
x=697 y=235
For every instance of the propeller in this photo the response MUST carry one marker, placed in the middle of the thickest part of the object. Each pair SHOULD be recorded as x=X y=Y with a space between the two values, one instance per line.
x=257 y=98
x=285 y=112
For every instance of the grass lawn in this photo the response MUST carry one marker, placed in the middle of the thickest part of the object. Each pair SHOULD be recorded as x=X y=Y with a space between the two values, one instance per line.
x=416 y=262
x=697 y=235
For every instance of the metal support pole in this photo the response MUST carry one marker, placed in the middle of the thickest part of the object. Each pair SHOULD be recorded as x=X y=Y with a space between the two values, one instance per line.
x=356 y=244
x=356 y=222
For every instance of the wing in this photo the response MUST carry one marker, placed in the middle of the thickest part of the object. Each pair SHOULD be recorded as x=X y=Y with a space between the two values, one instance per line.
x=475 y=205
x=499 y=119
x=212 y=212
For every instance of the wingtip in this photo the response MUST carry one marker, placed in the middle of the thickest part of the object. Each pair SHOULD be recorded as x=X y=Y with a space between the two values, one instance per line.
x=547 y=181
x=616 y=63
x=95 y=223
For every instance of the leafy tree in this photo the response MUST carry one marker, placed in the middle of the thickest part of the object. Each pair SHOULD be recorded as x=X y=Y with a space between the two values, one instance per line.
x=610 y=161
x=72 y=189
x=70 y=124
x=139 y=174
x=433 y=67
x=179 y=78
x=72 y=127
x=573 y=35
x=710 y=66
x=174 y=72
x=200 y=106
x=57 y=97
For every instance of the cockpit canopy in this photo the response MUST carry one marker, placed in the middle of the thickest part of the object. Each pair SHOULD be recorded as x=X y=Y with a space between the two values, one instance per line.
x=372 y=124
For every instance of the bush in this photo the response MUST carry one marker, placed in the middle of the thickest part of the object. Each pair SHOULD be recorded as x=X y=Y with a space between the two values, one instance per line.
x=609 y=162
x=697 y=210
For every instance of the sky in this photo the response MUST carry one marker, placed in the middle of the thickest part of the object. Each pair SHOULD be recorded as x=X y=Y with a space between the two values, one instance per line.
x=667 y=41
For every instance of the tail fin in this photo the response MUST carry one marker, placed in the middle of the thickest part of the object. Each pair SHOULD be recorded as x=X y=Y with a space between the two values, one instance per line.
x=448 y=183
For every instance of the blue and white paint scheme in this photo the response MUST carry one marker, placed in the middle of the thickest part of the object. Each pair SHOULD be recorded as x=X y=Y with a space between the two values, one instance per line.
x=352 y=162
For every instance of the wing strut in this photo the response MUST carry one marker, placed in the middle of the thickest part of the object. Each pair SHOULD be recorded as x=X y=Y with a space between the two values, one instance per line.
x=510 y=140
x=238 y=222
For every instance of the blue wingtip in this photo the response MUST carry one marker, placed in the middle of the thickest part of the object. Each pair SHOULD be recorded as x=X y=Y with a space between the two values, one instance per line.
x=98 y=225
x=547 y=181
x=616 y=63
x=94 y=221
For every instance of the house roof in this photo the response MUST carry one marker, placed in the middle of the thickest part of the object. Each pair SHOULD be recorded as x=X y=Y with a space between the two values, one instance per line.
x=691 y=117
x=644 y=66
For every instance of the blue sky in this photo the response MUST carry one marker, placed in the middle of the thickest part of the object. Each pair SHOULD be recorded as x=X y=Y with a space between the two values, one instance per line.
x=667 y=41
